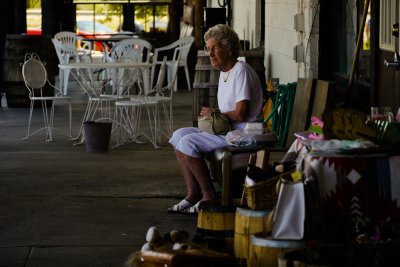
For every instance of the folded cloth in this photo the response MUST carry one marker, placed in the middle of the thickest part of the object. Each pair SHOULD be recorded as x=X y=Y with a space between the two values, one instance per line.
x=251 y=137
x=335 y=144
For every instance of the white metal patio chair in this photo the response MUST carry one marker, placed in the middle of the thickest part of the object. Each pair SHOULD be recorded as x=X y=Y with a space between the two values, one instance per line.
x=180 y=47
x=109 y=45
x=135 y=50
x=162 y=96
x=74 y=41
x=67 y=54
x=35 y=78
x=128 y=113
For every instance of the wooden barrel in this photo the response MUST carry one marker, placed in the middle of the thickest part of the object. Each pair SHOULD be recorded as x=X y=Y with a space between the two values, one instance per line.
x=205 y=85
x=264 y=251
x=16 y=46
x=247 y=223
x=216 y=225
x=216 y=219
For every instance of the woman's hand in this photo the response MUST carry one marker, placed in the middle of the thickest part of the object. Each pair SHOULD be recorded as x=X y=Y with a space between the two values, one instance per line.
x=205 y=111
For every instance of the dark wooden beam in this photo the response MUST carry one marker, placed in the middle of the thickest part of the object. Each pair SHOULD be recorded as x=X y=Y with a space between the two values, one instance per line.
x=199 y=22
x=68 y=16
x=20 y=16
x=51 y=17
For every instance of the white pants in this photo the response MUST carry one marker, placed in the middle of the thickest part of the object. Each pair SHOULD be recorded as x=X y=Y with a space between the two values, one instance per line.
x=192 y=142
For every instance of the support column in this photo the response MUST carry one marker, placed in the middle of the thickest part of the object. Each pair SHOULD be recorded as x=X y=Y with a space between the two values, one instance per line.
x=68 y=16
x=20 y=16
x=4 y=28
x=51 y=17
x=199 y=23
x=175 y=13
x=128 y=13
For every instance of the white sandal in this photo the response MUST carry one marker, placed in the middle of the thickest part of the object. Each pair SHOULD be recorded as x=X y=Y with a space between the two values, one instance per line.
x=180 y=206
x=192 y=210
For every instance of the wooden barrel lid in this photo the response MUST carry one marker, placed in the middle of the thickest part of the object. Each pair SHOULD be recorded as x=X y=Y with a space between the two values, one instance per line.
x=273 y=243
x=252 y=213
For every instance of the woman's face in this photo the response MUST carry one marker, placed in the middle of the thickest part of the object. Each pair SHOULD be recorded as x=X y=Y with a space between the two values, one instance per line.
x=219 y=55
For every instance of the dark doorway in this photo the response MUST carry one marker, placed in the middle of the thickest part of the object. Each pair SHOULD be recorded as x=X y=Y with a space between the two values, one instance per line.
x=339 y=27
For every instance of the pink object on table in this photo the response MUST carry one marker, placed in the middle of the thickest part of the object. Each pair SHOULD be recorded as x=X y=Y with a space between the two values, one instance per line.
x=316 y=136
x=317 y=122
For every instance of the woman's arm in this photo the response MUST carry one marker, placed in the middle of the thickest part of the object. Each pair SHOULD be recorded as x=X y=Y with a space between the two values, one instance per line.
x=240 y=111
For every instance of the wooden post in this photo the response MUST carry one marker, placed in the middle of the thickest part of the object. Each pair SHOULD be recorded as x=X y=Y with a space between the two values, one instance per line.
x=174 y=23
x=199 y=23
x=227 y=199
x=128 y=12
x=20 y=16
x=68 y=16
x=4 y=27
x=51 y=17
x=359 y=42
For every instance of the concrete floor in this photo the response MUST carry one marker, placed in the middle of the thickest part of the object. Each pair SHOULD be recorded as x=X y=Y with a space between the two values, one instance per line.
x=63 y=206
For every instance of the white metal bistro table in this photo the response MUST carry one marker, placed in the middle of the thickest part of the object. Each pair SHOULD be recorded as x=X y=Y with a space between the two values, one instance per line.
x=120 y=78
x=107 y=41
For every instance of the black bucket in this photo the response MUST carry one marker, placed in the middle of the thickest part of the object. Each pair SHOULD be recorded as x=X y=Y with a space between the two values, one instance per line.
x=97 y=136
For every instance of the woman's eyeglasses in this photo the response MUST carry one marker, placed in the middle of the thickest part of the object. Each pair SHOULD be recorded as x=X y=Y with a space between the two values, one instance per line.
x=212 y=50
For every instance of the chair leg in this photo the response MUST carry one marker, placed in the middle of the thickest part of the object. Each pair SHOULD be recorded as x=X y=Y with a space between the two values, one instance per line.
x=158 y=121
x=50 y=121
x=168 y=119
x=169 y=74
x=127 y=119
x=227 y=199
x=153 y=68
x=91 y=109
x=61 y=77
x=171 y=119
x=66 y=77
x=47 y=120
x=146 y=81
x=151 y=110
x=70 y=118
x=118 y=124
x=30 y=119
x=187 y=77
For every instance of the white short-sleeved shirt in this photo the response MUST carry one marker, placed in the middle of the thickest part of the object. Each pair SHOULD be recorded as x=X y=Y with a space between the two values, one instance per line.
x=240 y=83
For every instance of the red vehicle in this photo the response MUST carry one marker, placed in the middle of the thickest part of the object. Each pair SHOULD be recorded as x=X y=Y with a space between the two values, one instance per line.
x=34 y=31
x=86 y=29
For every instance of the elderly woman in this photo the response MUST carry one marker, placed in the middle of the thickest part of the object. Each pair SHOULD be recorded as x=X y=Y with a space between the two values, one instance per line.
x=239 y=98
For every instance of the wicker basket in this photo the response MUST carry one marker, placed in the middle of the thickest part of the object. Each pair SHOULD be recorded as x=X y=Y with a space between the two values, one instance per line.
x=263 y=195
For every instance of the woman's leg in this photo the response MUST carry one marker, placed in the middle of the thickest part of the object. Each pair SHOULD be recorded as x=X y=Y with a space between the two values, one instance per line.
x=189 y=146
x=199 y=170
x=193 y=188
x=203 y=177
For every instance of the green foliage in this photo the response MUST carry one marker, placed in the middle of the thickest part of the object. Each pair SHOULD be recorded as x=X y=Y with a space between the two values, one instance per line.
x=110 y=10
x=143 y=12
x=33 y=3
